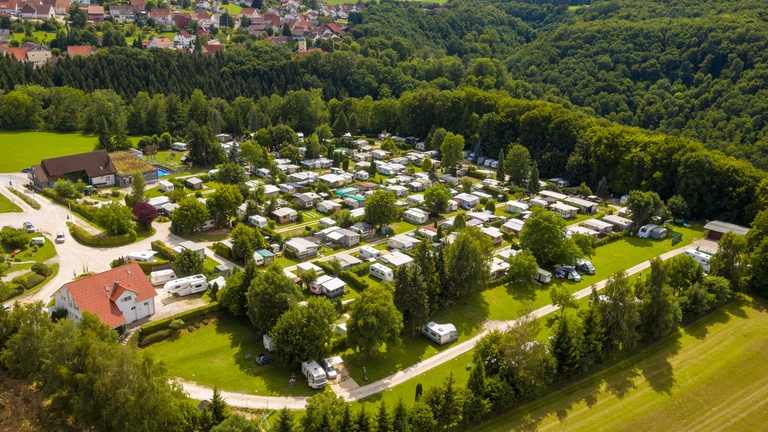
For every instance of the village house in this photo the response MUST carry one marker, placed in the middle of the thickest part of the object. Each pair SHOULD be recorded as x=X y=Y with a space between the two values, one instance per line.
x=118 y=297
x=284 y=215
x=301 y=247
x=127 y=163
x=79 y=50
x=183 y=40
x=160 y=42
x=343 y=237
x=93 y=168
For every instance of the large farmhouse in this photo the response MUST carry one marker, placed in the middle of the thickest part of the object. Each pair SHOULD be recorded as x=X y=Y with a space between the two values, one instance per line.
x=96 y=168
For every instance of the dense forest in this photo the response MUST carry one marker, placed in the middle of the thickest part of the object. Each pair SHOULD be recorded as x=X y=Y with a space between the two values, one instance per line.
x=684 y=67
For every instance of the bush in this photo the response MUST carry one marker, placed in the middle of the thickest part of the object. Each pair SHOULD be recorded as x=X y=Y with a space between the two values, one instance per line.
x=41 y=269
x=206 y=321
x=353 y=280
x=33 y=280
x=163 y=250
x=223 y=250
x=327 y=268
x=155 y=337
x=176 y=325
x=197 y=325
x=360 y=269
x=190 y=329
x=27 y=199
x=147 y=267
x=164 y=324
x=86 y=238
x=611 y=238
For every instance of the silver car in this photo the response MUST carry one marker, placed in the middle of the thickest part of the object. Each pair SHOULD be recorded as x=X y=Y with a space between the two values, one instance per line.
x=330 y=371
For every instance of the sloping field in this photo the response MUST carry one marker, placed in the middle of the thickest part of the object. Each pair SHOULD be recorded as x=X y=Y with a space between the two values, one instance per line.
x=709 y=377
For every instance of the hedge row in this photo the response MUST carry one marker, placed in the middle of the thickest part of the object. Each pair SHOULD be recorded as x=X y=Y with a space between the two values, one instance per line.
x=163 y=250
x=165 y=323
x=83 y=210
x=223 y=250
x=353 y=280
x=360 y=269
x=147 y=267
x=155 y=337
x=611 y=238
x=27 y=199
x=325 y=266
x=89 y=239
x=33 y=280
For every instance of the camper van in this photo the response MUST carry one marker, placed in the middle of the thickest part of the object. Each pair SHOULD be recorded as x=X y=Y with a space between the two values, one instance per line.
x=369 y=253
x=314 y=373
x=165 y=186
x=179 y=146
x=37 y=241
x=543 y=277
x=440 y=333
x=187 y=285
x=700 y=257
x=645 y=230
x=162 y=276
x=381 y=271
x=145 y=256
x=258 y=221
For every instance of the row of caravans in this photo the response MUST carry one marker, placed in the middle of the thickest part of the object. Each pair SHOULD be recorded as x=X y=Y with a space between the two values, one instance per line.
x=187 y=285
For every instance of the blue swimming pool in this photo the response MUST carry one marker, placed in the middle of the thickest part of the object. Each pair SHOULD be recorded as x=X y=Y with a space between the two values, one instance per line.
x=162 y=172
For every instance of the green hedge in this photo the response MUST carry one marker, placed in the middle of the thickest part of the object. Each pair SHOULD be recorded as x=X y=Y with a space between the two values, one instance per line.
x=155 y=337
x=89 y=239
x=83 y=210
x=163 y=250
x=325 y=266
x=223 y=250
x=27 y=199
x=360 y=269
x=353 y=280
x=611 y=237
x=146 y=267
x=33 y=280
x=165 y=323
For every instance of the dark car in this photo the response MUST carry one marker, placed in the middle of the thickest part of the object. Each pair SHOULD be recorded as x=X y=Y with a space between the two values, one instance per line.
x=26 y=170
x=263 y=359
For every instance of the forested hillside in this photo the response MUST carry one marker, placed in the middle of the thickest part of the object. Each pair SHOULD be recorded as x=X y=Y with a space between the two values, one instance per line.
x=684 y=67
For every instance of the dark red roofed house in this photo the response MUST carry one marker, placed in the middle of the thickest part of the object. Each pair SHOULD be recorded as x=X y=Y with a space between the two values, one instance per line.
x=94 y=168
x=334 y=28
x=79 y=50
x=118 y=297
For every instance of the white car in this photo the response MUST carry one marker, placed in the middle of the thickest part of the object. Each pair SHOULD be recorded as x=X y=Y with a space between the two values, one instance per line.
x=60 y=237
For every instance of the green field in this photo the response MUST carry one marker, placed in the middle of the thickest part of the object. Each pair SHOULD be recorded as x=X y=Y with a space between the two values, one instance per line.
x=709 y=376
x=6 y=206
x=215 y=355
x=36 y=146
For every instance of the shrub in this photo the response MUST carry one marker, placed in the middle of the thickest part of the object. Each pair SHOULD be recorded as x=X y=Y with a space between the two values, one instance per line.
x=147 y=267
x=222 y=249
x=353 y=280
x=155 y=337
x=163 y=250
x=41 y=269
x=197 y=325
x=86 y=238
x=176 y=325
x=33 y=280
x=115 y=193
x=611 y=238
x=360 y=269
x=190 y=329
x=27 y=199
x=163 y=324
x=206 y=321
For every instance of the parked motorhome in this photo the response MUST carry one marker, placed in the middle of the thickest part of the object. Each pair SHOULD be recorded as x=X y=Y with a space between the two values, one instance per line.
x=144 y=256
x=440 y=333
x=314 y=374
x=179 y=146
x=187 y=285
x=165 y=186
x=645 y=230
x=160 y=277
x=368 y=252
x=381 y=271
x=700 y=257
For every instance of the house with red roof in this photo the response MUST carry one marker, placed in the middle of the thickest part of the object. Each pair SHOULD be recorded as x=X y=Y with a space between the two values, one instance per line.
x=334 y=28
x=79 y=50
x=162 y=16
x=160 y=42
x=118 y=297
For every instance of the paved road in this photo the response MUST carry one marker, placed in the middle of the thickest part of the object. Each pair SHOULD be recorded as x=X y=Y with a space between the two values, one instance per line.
x=252 y=401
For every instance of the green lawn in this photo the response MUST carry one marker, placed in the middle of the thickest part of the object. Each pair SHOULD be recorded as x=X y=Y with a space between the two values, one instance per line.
x=40 y=145
x=44 y=252
x=708 y=376
x=6 y=206
x=42 y=36
x=215 y=355
x=233 y=9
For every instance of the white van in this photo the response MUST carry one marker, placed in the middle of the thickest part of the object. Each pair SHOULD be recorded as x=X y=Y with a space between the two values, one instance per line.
x=381 y=271
x=162 y=276
x=700 y=257
x=37 y=241
x=314 y=373
x=187 y=285
x=258 y=221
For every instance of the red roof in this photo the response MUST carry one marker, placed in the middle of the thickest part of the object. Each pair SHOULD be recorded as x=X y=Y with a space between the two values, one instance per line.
x=97 y=293
x=334 y=28
x=83 y=50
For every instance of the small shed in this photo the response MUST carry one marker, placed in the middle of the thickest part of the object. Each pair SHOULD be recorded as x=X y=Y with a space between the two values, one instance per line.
x=716 y=229
x=194 y=183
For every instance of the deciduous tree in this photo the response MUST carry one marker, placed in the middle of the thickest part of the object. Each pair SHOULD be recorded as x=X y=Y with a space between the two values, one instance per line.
x=374 y=320
x=303 y=331
x=270 y=295
x=381 y=208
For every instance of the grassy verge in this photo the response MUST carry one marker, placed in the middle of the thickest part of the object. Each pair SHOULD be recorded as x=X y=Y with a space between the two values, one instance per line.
x=6 y=206
x=26 y=198
x=215 y=355
x=708 y=376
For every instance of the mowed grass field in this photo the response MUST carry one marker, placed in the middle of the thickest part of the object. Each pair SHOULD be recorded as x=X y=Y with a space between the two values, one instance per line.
x=24 y=149
x=215 y=355
x=709 y=376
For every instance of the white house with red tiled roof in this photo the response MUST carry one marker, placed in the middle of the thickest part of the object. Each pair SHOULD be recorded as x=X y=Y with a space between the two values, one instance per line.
x=118 y=297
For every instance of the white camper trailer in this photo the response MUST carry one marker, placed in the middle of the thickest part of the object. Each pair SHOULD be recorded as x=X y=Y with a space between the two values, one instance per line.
x=381 y=271
x=314 y=373
x=700 y=257
x=440 y=333
x=165 y=186
x=145 y=256
x=543 y=277
x=269 y=343
x=187 y=285
x=258 y=221
x=162 y=276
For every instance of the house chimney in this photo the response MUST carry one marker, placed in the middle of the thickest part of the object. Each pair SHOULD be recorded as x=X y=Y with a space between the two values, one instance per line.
x=117 y=285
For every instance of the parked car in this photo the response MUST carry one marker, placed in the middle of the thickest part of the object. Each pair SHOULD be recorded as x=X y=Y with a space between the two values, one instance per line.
x=60 y=237
x=263 y=359
x=567 y=273
x=26 y=170
x=584 y=266
x=28 y=227
x=330 y=371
